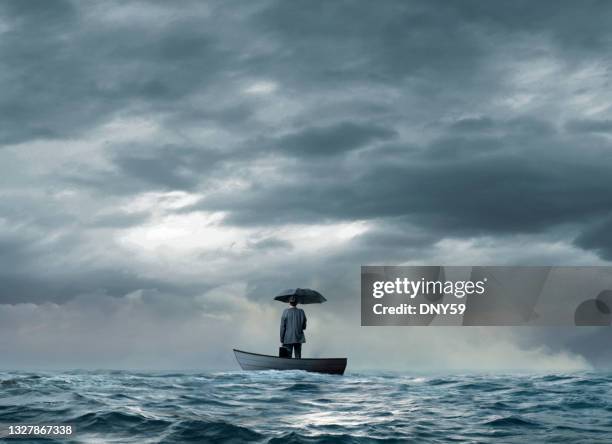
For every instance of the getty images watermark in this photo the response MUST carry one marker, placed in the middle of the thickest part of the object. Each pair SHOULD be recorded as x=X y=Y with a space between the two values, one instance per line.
x=485 y=295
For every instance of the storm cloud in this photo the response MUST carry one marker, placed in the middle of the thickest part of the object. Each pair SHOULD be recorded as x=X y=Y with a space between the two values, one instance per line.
x=175 y=164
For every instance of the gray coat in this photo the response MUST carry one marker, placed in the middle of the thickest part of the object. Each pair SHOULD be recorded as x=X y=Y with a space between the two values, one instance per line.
x=293 y=324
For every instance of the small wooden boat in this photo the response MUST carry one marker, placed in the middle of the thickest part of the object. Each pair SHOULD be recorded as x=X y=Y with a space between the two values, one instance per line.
x=255 y=361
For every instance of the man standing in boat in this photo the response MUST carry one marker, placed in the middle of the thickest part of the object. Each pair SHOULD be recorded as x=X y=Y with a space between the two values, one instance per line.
x=293 y=324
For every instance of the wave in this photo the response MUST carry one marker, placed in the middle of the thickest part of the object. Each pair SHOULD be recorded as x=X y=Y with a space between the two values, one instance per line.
x=511 y=421
x=116 y=421
x=297 y=438
x=441 y=381
x=557 y=378
x=216 y=431
x=20 y=381
x=576 y=405
x=272 y=407
x=302 y=387
x=482 y=386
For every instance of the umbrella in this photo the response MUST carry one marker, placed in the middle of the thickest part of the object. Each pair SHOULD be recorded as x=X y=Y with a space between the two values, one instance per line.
x=302 y=295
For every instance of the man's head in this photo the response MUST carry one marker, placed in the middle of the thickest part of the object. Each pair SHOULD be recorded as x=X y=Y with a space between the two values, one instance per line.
x=293 y=301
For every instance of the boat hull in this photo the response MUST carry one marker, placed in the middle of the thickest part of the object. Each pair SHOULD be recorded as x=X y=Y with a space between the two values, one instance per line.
x=255 y=361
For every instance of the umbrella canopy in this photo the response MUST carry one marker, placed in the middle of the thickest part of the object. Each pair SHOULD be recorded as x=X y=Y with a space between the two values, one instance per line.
x=302 y=295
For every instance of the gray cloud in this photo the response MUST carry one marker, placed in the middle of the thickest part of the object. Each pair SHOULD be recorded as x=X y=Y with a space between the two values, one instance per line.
x=32 y=269
x=67 y=72
x=166 y=168
x=272 y=244
x=598 y=238
x=336 y=139
x=119 y=219
x=464 y=185
x=590 y=126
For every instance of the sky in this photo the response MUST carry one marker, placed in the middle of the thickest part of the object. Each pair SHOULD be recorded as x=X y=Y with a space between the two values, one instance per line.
x=167 y=167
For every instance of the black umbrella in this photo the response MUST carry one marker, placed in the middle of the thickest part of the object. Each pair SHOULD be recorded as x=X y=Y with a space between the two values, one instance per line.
x=302 y=295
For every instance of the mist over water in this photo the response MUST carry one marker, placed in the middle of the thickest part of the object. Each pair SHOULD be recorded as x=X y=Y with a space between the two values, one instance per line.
x=299 y=407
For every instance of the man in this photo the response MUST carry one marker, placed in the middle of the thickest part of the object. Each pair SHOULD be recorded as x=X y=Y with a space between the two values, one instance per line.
x=293 y=324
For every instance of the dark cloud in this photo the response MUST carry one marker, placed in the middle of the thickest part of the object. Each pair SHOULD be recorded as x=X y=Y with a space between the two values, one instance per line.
x=574 y=27
x=590 y=126
x=516 y=127
x=47 y=15
x=152 y=167
x=371 y=44
x=598 y=237
x=119 y=219
x=30 y=272
x=27 y=286
x=473 y=124
x=506 y=184
x=166 y=168
x=394 y=235
x=331 y=140
x=65 y=74
x=271 y=243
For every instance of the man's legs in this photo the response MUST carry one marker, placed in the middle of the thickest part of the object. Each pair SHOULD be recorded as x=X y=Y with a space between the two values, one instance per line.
x=294 y=350
x=298 y=350
x=288 y=348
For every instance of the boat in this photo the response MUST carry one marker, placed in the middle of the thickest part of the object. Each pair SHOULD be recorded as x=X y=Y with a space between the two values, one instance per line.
x=255 y=361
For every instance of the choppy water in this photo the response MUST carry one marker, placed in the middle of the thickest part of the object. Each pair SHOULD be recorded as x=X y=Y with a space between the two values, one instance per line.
x=298 y=407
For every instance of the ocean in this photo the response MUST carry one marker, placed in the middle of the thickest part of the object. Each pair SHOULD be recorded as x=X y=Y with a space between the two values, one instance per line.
x=298 y=407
